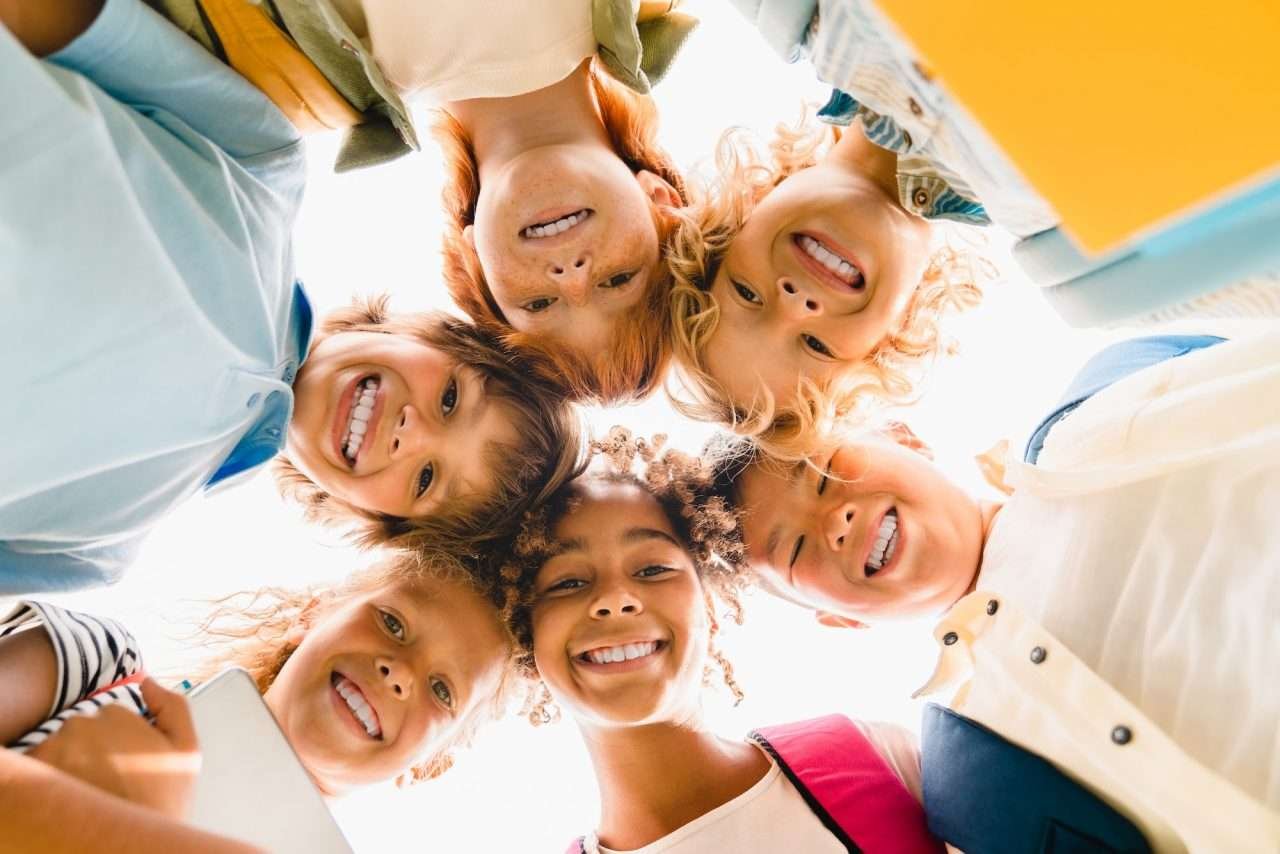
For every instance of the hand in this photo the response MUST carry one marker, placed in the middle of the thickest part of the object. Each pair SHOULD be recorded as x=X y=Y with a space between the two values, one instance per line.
x=118 y=751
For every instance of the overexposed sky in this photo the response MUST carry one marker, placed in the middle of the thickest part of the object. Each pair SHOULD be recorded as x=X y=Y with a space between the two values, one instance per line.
x=521 y=789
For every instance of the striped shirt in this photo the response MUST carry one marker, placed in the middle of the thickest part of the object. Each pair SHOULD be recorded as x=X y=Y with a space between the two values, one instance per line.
x=98 y=663
x=948 y=168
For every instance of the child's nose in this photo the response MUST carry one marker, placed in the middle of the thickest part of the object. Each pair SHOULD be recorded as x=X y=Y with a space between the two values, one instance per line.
x=796 y=300
x=396 y=677
x=408 y=434
x=838 y=525
x=616 y=602
x=572 y=275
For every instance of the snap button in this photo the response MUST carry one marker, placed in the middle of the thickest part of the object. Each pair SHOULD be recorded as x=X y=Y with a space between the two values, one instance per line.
x=920 y=197
x=273 y=432
x=992 y=606
x=253 y=400
x=1122 y=735
x=916 y=109
x=289 y=373
x=1038 y=654
x=950 y=637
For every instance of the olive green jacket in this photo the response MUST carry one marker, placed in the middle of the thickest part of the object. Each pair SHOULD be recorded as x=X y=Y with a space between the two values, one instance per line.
x=637 y=55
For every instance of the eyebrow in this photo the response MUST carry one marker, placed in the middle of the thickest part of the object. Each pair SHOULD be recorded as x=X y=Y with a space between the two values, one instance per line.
x=631 y=535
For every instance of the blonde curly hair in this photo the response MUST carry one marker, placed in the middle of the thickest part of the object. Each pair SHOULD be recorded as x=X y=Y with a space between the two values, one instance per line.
x=705 y=231
x=682 y=484
x=249 y=629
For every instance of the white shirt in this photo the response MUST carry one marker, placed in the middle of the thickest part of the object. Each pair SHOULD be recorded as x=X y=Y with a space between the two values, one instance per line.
x=772 y=815
x=1133 y=581
x=452 y=50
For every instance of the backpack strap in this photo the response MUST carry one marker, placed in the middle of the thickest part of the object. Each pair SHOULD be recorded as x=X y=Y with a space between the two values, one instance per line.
x=849 y=786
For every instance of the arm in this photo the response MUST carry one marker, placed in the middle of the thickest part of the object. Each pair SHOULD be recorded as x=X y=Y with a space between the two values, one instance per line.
x=28 y=672
x=48 y=811
x=48 y=25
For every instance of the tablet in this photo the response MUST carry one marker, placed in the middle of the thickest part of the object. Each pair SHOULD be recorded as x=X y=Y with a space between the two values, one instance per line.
x=252 y=787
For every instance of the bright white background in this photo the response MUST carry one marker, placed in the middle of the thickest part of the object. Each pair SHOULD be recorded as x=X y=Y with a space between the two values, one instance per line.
x=521 y=789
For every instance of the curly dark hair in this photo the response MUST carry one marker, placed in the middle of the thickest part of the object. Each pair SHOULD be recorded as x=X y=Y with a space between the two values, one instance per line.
x=680 y=482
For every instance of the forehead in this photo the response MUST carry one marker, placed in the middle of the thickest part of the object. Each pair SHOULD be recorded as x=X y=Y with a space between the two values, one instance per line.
x=455 y=619
x=495 y=440
x=602 y=511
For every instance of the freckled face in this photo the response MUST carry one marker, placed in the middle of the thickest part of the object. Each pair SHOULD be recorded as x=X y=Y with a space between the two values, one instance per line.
x=883 y=533
x=566 y=237
x=422 y=420
x=620 y=625
x=821 y=272
x=381 y=680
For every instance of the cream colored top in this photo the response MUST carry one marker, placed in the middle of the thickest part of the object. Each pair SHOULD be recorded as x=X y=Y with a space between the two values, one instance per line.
x=452 y=50
x=1142 y=556
x=772 y=816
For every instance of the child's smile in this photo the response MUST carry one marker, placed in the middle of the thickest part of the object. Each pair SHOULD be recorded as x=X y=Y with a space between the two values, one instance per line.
x=354 y=706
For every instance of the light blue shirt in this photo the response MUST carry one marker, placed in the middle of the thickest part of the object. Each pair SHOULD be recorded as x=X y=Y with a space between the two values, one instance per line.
x=151 y=324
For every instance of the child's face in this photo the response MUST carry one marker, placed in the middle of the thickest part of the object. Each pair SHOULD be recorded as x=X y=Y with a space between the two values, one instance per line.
x=574 y=285
x=380 y=680
x=620 y=627
x=821 y=541
x=784 y=313
x=393 y=425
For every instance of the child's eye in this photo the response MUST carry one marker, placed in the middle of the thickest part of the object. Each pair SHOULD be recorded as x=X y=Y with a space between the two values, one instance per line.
x=654 y=571
x=566 y=584
x=618 y=280
x=826 y=473
x=449 y=399
x=425 y=477
x=747 y=294
x=393 y=624
x=442 y=692
x=540 y=304
x=795 y=552
x=816 y=346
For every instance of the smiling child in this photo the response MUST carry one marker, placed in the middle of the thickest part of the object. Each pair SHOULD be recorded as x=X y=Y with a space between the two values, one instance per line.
x=1107 y=562
x=614 y=591
x=805 y=289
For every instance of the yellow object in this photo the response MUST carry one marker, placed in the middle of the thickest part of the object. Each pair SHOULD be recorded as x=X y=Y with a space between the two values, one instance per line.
x=269 y=59
x=1123 y=115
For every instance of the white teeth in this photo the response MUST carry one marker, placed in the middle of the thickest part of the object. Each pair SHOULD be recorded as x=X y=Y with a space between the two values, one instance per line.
x=626 y=652
x=833 y=262
x=885 y=543
x=358 y=706
x=550 y=229
x=358 y=424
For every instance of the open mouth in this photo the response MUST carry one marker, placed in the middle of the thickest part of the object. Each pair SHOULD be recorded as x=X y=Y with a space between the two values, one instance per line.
x=885 y=545
x=622 y=653
x=841 y=268
x=359 y=419
x=557 y=225
x=360 y=709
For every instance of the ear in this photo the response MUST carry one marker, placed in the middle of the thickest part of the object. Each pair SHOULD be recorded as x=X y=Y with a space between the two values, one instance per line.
x=658 y=190
x=469 y=235
x=835 y=621
x=902 y=434
x=302 y=623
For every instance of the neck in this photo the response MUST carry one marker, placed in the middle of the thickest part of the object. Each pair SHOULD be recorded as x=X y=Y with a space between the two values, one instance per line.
x=655 y=779
x=855 y=153
x=500 y=129
x=988 y=510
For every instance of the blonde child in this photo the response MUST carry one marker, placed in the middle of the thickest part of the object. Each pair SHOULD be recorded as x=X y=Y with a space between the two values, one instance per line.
x=1116 y=605
x=382 y=675
x=806 y=289
x=614 y=587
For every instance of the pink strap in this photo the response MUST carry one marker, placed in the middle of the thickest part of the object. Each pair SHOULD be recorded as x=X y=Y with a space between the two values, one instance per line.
x=131 y=679
x=839 y=771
